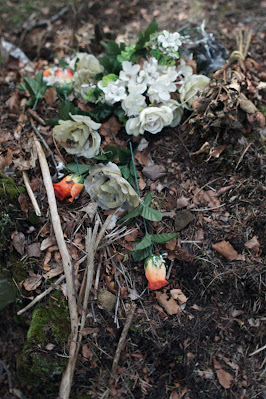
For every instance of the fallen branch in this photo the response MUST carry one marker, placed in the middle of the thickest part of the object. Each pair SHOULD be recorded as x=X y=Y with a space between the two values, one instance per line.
x=30 y=193
x=120 y=346
x=38 y=298
x=65 y=387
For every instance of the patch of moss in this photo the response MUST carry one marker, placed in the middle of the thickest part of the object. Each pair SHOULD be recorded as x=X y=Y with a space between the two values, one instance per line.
x=262 y=108
x=49 y=324
x=59 y=314
x=33 y=218
x=37 y=368
x=9 y=189
x=17 y=268
x=40 y=322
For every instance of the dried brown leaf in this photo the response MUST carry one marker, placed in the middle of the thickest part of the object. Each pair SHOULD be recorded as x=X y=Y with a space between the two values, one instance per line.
x=224 y=378
x=226 y=249
x=50 y=95
x=154 y=172
x=180 y=254
x=176 y=293
x=18 y=241
x=31 y=283
x=34 y=250
x=170 y=305
x=12 y=102
x=182 y=202
x=53 y=272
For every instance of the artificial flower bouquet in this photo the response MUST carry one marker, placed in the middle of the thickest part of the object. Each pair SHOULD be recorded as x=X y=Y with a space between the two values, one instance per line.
x=147 y=85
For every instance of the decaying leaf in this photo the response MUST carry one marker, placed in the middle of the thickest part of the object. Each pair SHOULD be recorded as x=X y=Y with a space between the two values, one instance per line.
x=154 y=172
x=53 y=272
x=106 y=299
x=170 y=305
x=12 y=102
x=182 y=202
x=34 y=250
x=180 y=254
x=246 y=104
x=253 y=245
x=31 y=283
x=176 y=293
x=224 y=378
x=50 y=95
x=226 y=249
x=18 y=240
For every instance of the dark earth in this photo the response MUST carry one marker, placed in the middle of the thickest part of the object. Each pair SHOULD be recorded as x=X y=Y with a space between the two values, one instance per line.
x=213 y=348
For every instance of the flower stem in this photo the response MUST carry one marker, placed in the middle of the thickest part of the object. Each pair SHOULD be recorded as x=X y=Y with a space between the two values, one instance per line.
x=136 y=181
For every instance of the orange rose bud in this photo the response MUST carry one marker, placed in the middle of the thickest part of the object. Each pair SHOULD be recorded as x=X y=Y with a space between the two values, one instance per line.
x=155 y=272
x=69 y=188
x=64 y=75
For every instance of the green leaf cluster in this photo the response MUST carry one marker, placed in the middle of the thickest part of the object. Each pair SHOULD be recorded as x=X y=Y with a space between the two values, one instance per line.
x=35 y=86
x=98 y=114
x=143 y=249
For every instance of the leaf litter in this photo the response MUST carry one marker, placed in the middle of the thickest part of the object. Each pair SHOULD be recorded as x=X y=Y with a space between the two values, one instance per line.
x=195 y=266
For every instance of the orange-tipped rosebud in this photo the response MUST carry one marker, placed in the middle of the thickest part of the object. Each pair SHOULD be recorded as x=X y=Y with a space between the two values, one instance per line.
x=69 y=188
x=64 y=75
x=155 y=272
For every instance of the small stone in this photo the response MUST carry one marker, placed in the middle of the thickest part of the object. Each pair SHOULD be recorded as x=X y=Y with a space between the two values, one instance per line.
x=106 y=299
x=182 y=219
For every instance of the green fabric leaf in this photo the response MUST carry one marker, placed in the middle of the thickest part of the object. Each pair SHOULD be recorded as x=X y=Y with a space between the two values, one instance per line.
x=144 y=243
x=73 y=168
x=151 y=214
x=162 y=238
x=143 y=253
x=131 y=214
x=148 y=198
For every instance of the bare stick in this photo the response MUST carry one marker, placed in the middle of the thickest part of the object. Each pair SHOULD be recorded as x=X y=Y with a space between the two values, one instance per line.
x=66 y=381
x=120 y=344
x=30 y=193
x=38 y=298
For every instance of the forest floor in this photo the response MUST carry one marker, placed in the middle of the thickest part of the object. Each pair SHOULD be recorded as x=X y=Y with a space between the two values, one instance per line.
x=210 y=344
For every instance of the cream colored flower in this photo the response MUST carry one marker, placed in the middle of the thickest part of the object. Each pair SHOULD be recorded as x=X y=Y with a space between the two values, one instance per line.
x=192 y=85
x=150 y=119
x=83 y=79
x=79 y=137
x=177 y=110
x=109 y=189
x=87 y=61
x=87 y=67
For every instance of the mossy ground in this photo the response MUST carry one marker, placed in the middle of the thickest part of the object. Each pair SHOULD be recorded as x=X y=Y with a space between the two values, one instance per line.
x=49 y=324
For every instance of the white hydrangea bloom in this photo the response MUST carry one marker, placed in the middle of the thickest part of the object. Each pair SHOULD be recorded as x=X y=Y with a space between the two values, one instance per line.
x=149 y=72
x=109 y=189
x=184 y=70
x=133 y=104
x=169 y=41
x=150 y=119
x=114 y=91
x=79 y=136
x=160 y=90
x=192 y=85
x=136 y=88
x=129 y=71
x=177 y=110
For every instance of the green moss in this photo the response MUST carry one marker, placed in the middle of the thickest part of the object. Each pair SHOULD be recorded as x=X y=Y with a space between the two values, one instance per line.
x=17 y=268
x=9 y=189
x=49 y=324
x=37 y=368
x=59 y=314
x=33 y=218
x=40 y=321
x=262 y=108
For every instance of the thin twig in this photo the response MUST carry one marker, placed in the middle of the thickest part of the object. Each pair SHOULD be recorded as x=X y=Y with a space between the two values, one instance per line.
x=258 y=350
x=38 y=298
x=66 y=381
x=121 y=344
x=30 y=193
